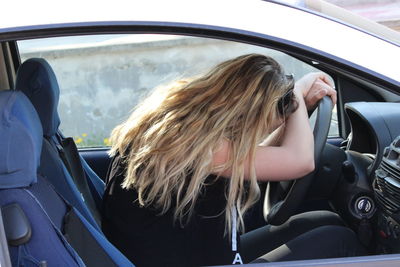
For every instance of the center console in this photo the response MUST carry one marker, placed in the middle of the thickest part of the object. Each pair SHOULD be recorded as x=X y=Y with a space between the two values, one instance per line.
x=386 y=187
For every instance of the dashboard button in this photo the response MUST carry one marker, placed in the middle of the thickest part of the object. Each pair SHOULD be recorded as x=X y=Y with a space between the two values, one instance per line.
x=382 y=234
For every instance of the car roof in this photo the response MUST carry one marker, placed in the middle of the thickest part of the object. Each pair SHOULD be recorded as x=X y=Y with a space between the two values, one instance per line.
x=387 y=11
x=266 y=18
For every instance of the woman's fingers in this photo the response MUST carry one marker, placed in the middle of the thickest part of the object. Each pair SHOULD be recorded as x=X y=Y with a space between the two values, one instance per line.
x=325 y=78
x=318 y=90
x=332 y=93
x=305 y=84
x=328 y=80
x=327 y=90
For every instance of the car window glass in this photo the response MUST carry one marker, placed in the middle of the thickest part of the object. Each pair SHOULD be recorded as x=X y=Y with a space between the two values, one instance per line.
x=103 y=77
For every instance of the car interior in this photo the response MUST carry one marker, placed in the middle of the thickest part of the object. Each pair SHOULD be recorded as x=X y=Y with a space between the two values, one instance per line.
x=51 y=207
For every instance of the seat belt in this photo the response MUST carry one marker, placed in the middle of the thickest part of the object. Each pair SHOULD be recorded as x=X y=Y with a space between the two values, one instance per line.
x=70 y=156
x=77 y=234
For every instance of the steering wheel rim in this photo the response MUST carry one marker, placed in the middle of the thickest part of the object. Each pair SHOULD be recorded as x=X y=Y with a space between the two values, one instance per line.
x=277 y=210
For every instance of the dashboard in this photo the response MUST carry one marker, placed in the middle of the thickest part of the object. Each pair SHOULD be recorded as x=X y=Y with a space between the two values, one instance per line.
x=368 y=193
x=374 y=125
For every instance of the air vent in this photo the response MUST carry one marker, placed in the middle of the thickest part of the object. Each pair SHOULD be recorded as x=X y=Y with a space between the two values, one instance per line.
x=387 y=179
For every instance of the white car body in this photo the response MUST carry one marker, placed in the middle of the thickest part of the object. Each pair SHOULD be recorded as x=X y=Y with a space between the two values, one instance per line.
x=276 y=21
x=338 y=45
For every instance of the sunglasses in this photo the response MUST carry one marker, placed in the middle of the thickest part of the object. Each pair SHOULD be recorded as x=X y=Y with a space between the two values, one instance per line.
x=285 y=103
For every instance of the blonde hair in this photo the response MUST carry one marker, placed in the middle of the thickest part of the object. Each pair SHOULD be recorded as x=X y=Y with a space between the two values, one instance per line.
x=168 y=142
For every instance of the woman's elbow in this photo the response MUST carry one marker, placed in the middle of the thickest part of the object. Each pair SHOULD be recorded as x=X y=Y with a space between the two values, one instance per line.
x=308 y=166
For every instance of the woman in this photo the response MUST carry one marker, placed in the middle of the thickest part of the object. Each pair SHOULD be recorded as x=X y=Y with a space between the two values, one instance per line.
x=187 y=162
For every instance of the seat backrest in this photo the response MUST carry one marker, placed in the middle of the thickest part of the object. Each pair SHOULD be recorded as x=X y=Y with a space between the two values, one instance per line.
x=25 y=220
x=41 y=227
x=60 y=161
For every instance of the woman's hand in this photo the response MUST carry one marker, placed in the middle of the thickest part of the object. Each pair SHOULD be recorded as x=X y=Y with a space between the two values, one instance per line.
x=313 y=87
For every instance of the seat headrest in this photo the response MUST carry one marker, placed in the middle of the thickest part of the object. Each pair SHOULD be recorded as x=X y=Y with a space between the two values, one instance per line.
x=37 y=80
x=21 y=137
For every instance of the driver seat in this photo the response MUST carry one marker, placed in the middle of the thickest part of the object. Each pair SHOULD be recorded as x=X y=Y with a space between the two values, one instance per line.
x=61 y=163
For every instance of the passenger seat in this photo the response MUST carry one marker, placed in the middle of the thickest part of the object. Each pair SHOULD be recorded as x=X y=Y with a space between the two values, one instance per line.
x=42 y=228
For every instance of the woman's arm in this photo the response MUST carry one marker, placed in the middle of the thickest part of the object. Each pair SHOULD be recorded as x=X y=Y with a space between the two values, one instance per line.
x=294 y=157
x=275 y=138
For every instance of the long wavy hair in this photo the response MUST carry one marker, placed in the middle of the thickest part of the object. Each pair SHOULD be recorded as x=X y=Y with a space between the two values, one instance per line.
x=168 y=142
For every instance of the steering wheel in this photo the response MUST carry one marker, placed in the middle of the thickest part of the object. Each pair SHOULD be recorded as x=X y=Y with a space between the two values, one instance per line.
x=283 y=198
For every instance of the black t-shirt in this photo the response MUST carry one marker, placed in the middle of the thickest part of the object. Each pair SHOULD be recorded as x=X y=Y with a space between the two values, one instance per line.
x=150 y=239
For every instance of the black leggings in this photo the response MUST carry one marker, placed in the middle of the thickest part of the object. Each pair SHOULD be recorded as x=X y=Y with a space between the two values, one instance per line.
x=310 y=235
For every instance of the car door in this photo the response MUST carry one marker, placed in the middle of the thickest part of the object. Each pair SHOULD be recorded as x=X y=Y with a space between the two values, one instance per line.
x=94 y=144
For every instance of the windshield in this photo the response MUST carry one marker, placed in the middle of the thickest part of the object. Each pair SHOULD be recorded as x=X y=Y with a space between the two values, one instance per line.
x=391 y=11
